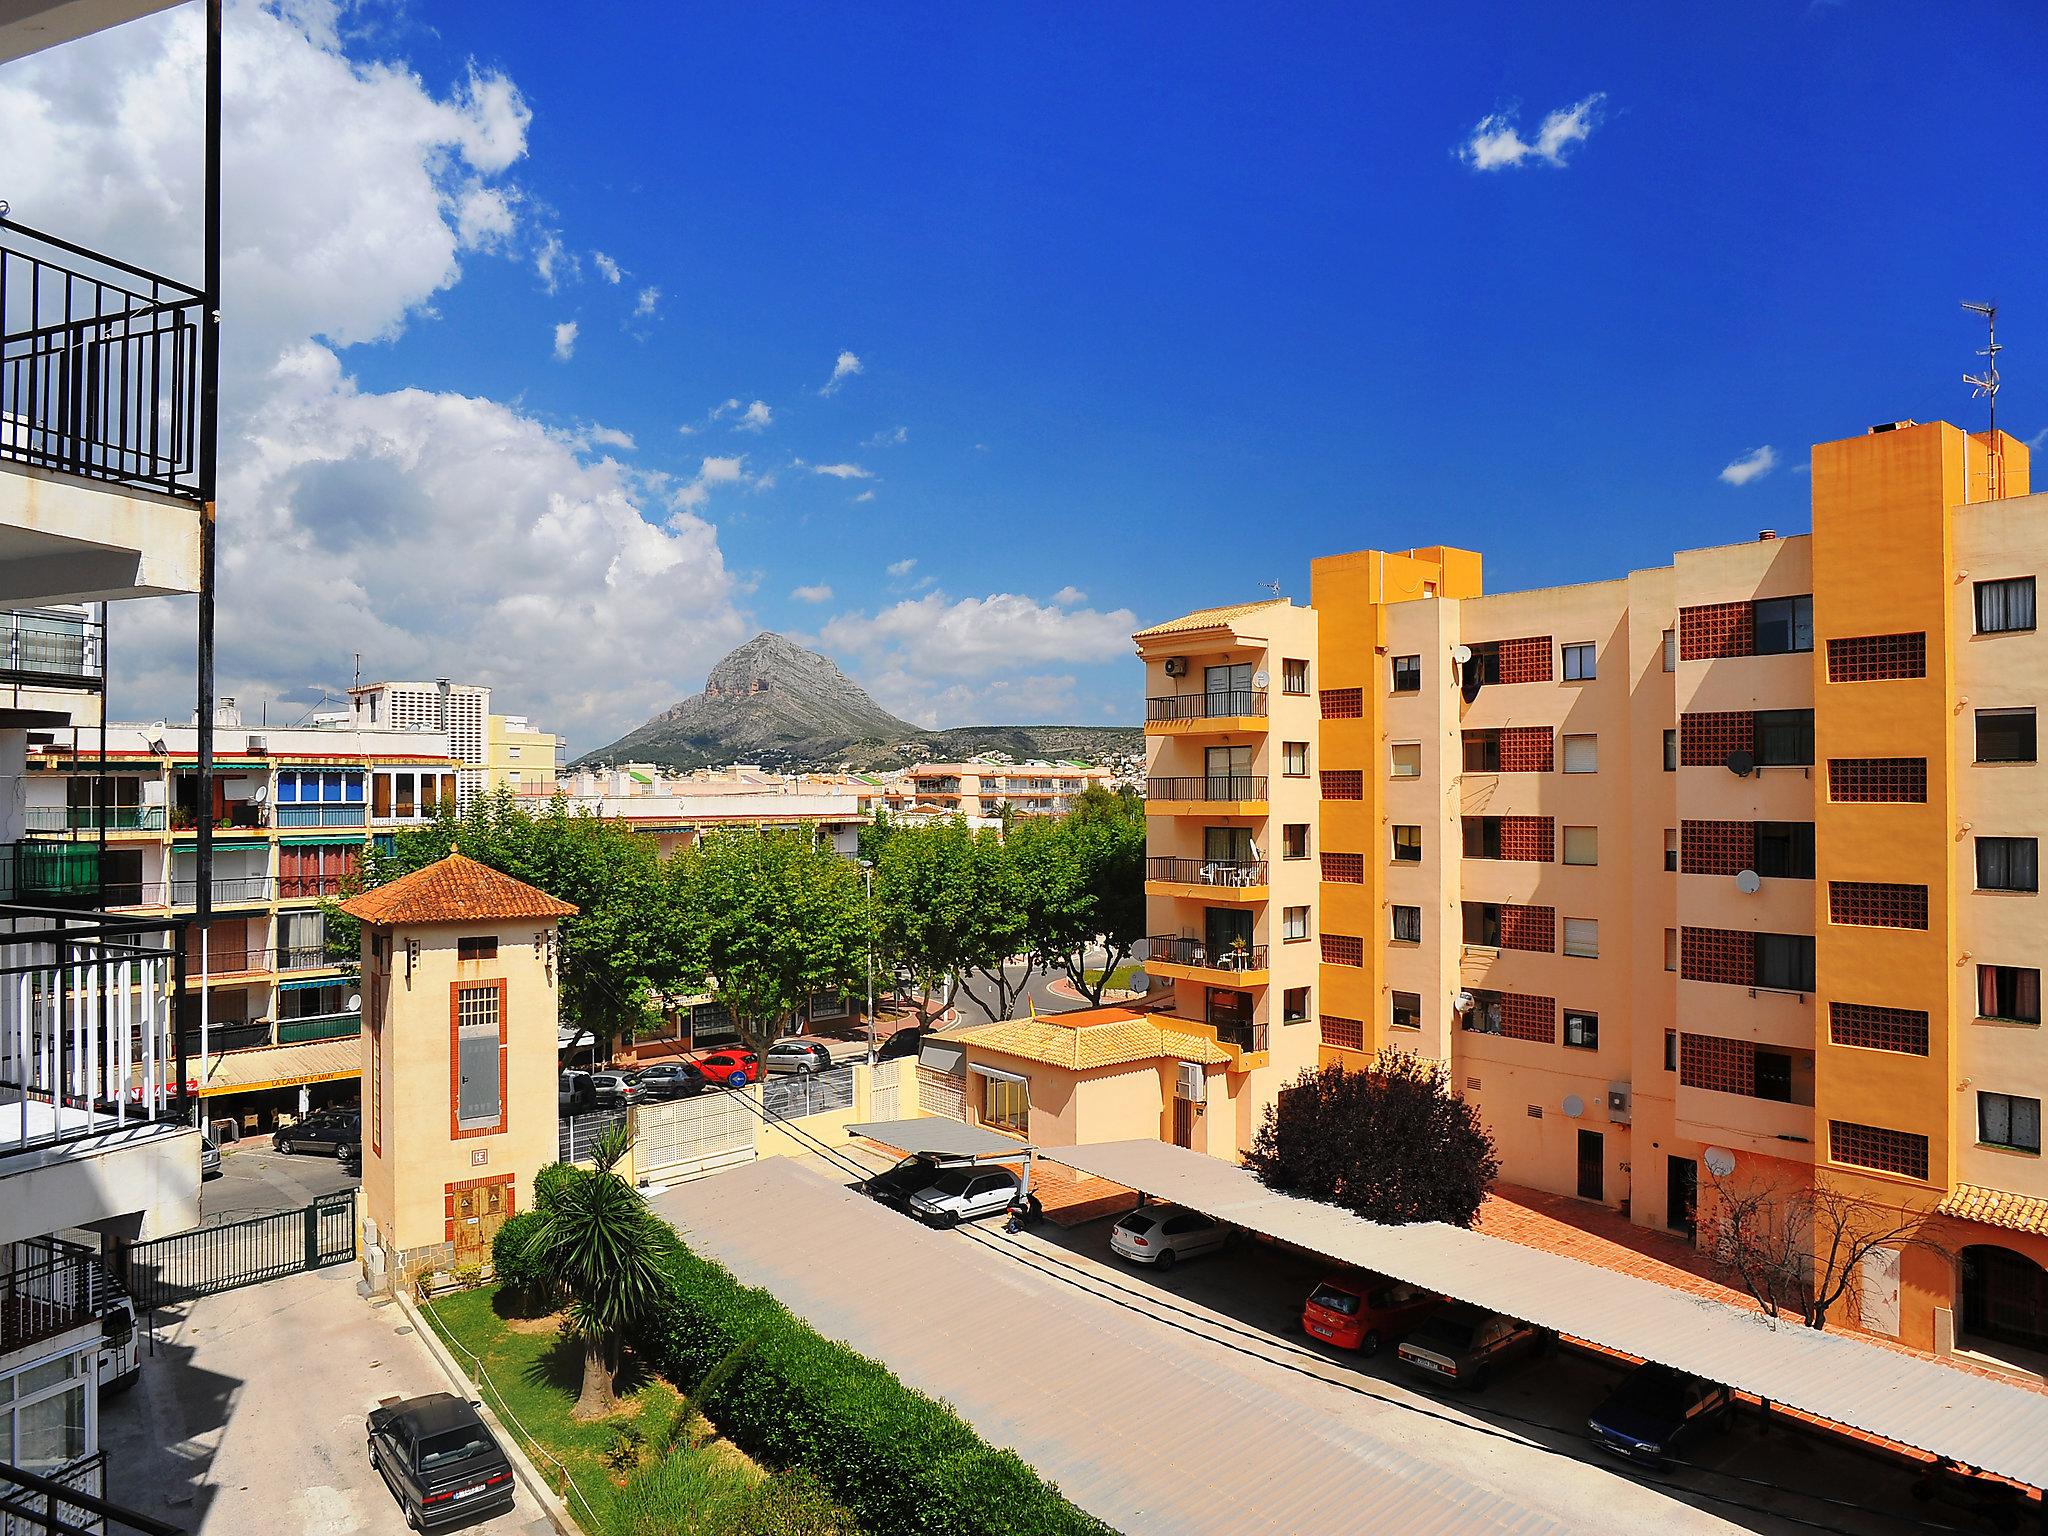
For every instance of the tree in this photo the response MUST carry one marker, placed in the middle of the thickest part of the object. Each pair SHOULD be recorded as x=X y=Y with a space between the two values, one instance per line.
x=1393 y=1143
x=929 y=916
x=1799 y=1249
x=1083 y=878
x=600 y=1245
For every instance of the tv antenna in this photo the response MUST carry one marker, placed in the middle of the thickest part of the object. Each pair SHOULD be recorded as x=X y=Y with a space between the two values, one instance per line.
x=1984 y=386
x=1274 y=588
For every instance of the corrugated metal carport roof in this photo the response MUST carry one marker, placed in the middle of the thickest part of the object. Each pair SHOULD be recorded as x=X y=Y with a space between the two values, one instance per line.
x=937 y=1135
x=1900 y=1397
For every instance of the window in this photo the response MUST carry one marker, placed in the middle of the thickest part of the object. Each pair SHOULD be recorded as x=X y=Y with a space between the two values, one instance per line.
x=513 y=753
x=1579 y=663
x=2008 y=864
x=2006 y=1120
x=1582 y=845
x=485 y=948
x=1671 y=850
x=1670 y=1044
x=1482 y=837
x=1784 y=738
x=1482 y=924
x=1407 y=1010
x=1408 y=845
x=45 y=1425
x=1581 y=1029
x=1671 y=751
x=1784 y=625
x=1482 y=751
x=1293 y=923
x=1407 y=674
x=1581 y=754
x=1294 y=841
x=1483 y=668
x=1294 y=1005
x=1784 y=961
x=1670 y=949
x=1784 y=849
x=1294 y=759
x=1006 y=1104
x=2005 y=606
x=1771 y=1076
x=1670 y=650
x=2005 y=736
x=1407 y=760
x=1293 y=676
x=480 y=1058
x=1582 y=937
x=1407 y=925
x=2009 y=993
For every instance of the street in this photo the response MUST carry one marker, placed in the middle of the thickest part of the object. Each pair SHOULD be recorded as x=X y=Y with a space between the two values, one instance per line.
x=256 y=1180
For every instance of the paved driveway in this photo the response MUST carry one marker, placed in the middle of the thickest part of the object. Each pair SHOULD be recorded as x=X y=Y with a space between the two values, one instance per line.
x=255 y=1181
x=249 y=1417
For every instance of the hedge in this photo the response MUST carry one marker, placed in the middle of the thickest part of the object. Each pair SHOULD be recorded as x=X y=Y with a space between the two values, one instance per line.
x=898 y=1461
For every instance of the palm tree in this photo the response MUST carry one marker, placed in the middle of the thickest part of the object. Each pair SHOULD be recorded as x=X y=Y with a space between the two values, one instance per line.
x=599 y=1243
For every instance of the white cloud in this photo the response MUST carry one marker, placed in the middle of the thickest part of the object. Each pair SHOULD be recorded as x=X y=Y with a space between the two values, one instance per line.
x=1067 y=597
x=644 y=308
x=607 y=269
x=895 y=438
x=932 y=636
x=712 y=470
x=1496 y=144
x=820 y=593
x=2038 y=439
x=842 y=370
x=842 y=471
x=901 y=568
x=865 y=496
x=1753 y=465
x=757 y=417
x=552 y=261
x=565 y=341
x=485 y=218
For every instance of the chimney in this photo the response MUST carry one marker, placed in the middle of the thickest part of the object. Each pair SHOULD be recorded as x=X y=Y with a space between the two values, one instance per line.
x=1765 y=535
x=225 y=715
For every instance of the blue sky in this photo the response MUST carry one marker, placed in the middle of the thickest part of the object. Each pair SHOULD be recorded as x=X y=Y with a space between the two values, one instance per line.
x=1166 y=301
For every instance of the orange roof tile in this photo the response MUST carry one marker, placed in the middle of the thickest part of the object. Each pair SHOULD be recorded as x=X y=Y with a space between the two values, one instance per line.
x=1207 y=618
x=1093 y=1037
x=1997 y=1208
x=455 y=890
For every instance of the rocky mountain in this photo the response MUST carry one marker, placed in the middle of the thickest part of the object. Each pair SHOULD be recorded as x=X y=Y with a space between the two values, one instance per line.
x=773 y=702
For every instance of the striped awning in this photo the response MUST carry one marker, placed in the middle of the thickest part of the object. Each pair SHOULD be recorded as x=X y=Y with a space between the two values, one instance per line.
x=283 y=1066
x=315 y=981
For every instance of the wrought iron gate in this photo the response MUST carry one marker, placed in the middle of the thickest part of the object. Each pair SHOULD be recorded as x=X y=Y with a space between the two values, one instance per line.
x=207 y=1259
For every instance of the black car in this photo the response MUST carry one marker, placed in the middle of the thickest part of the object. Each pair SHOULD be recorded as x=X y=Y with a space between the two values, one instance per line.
x=894 y=1187
x=905 y=1042
x=1657 y=1411
x=671 y=1080
x=350 y=1155
x=439 y=1460
x=326 y=1133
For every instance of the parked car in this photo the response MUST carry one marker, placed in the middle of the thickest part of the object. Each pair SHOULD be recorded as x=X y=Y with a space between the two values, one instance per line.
x=963 y=1194
x=1657 y=1411
x=733 y=1068
x=804 y=1056
x=894 y=1187
x=1361 y=1310
x=350 y=1155
x=575 y=1094
x=1163 y=1235
x=326 y=1132
x=614 y=1090
x=670 y=1080
x=904 y=1042
x=209 y=1157
x=1464 y=1345
x=439 y=1460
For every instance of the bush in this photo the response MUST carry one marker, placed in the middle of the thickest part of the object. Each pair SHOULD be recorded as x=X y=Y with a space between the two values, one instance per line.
x=550 y=1181
x=517 y=1273
x=894 y=1459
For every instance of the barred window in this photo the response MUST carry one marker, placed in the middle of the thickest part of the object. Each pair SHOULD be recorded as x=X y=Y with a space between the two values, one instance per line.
x=1705 y=740
x=1531 y=839
x=1872 y=1028
x=1345 y=1034
x=1344 y=868
x=1716 y=847
x=1712 y=631
x=479 y=1057
x=1877 y=658
x=1716 y=1064
x=1343 y=949
x=1343 y=704
x=1347 y=783
x=1526 y=749
x=1526 y=660
x=1876 y=904
x=1872 y=1146
x=1877 y=780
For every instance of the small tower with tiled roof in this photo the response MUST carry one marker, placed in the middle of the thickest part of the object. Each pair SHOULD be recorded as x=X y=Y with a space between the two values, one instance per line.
x=461 y=990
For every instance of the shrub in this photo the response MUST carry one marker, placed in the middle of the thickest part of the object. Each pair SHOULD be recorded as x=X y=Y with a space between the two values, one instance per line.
x=550 y=1181
x=517 y=1272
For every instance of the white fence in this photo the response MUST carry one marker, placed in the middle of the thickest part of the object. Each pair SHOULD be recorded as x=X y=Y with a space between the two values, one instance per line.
x=806 y=1093
x=691 y=1136
x=885 y=1089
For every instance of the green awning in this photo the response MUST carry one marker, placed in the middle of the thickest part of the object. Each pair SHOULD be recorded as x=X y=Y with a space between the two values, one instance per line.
x=324 y=842
x=317 y=981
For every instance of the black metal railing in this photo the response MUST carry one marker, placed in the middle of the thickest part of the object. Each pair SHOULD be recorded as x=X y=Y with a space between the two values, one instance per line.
x=100 y=365
x=1214 y=957
x=86 y=818
x=204 y=1260
x=1213 y=786
x=38 y=645
x=68 y=1502
x=1222 y=872
x=43 y=1294
x=1246 y=1037
x=1217 y=704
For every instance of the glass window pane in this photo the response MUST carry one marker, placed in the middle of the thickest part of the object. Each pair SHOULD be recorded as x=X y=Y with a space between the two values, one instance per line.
x=50 y=1432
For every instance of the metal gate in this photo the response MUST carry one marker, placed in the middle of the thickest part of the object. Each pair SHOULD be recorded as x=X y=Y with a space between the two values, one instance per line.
x=807 y=1093
x=207 y=1259
x=691 y=1136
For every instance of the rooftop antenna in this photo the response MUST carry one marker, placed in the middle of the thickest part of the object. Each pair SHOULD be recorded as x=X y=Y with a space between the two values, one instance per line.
x=1984 y=386
x=1274 y=588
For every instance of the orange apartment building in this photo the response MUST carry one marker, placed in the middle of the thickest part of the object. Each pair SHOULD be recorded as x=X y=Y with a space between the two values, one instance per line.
x=1730 y=863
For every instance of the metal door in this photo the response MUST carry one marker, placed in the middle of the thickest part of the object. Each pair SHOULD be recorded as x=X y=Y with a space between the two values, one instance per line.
x=1592 y=1165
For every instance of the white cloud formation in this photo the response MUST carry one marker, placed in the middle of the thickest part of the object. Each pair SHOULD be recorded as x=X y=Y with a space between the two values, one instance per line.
x=1496 y=144
x=842 y=370
x=553 y=263
x=565 y=341
x=902 y=568
x=757 y=417
x=607 y=269
x=818 y=593
x=1753 y=465
x=644 y=308
x=842 y=471
x=893 y=438
x=1067 y=597
x=865 y=496
x=713 y=470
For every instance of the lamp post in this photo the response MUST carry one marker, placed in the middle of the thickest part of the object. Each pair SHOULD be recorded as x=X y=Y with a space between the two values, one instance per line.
x=867 y=874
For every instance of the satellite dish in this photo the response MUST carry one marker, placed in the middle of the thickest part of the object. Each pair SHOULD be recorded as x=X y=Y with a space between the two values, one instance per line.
x=1749 y=882
x=1461 y=654
x=1140 y=983
x=1463 y=1002
x=260 y=793
x=1719 y=1160
x=1260 y=679
x=1740 y=763
x=1574 y=1106
x=355 y=1005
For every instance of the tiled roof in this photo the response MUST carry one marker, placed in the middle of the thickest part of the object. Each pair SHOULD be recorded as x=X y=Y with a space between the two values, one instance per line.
x=1997 y=1208
x=1207 y=618
x=456 y=890
x=1097 y=1037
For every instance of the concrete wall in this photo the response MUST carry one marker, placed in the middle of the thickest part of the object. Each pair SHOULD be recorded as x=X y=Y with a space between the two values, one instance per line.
x=138 y=1184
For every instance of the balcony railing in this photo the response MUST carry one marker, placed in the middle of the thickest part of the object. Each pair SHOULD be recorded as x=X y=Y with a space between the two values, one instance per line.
x=303 y=957
x=305 y=887
x=45 y=647
x=1222 y=872
x=1246 y=1037
x=68 y=1502
x=320 y=816
x=99 y=366
x=86 y=818
x=319 y=1026
x=228 y=890
x=1214 y=786
x=44 y=1292
x=240 y=816
x=1221 y=957
x=1222 y=704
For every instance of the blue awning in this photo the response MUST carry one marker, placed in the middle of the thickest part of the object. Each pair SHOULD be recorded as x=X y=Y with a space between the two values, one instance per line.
x=317 y=981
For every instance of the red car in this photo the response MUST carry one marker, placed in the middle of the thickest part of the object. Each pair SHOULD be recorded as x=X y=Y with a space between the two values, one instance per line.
x=1361 y=1311
x=732 y=1069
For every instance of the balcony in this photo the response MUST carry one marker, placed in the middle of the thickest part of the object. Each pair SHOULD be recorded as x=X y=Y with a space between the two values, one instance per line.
x=288 y=816
x=240 y=816
x=85 y=818
x=1770 y=1127
x=228 y=891
x=1240 y=965
x=1208 y=713
x=303 y=957
x=1213 y=880
x=1247 y=1042
x=1216 y=794
x=46 y=1291
x=319 y=1026
x=41 y=648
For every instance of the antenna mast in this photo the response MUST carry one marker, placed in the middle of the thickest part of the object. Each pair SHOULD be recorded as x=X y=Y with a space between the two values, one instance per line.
x=1984 y=386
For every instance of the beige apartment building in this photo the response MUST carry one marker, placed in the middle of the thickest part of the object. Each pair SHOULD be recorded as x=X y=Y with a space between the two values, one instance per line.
x=983 y=788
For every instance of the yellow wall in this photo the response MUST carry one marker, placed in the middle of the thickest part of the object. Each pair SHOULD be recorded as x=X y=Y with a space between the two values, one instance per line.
x=533 y=761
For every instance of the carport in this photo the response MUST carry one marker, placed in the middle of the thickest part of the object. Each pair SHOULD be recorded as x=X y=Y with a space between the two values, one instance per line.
x=1944 y=1411
x=954 y=1143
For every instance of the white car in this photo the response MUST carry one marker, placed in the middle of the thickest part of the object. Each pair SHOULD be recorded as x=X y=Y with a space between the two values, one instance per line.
x=1161 y=1235
x=962 y=1194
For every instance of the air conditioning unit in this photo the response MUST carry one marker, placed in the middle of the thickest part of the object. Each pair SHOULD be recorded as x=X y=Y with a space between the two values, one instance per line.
x=258 y=745
x=1176 y=666
x=1194 y=1082
x=1617 y=1103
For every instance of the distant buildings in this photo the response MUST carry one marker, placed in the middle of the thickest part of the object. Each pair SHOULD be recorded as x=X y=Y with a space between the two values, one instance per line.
x=493 y=751
x=984 y=786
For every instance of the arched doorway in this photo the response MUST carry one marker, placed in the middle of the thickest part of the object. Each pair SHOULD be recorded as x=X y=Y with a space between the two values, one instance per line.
x=2005 y=1297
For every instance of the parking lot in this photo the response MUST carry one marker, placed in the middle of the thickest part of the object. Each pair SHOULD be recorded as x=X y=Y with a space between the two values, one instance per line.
x=255 y=1181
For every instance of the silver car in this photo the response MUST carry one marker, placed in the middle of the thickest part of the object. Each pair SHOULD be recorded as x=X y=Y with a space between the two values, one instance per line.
x=963 y=1194
x=800 y=1056
x=1161 y=1235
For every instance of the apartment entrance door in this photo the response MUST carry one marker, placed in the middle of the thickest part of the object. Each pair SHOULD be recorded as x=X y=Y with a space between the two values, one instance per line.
x=1592 y=1165
x=1183 y=1123
x=1682 y=1196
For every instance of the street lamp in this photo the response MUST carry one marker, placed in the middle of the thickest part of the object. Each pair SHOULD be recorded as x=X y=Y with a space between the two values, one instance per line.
x=867 y=874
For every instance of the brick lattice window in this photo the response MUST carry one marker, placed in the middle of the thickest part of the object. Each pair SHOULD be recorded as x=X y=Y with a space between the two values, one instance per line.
x=1527 y=660
x=1343 y=784
x=1876 y=904
x=1527 y=749
x=1716 y=847
x=1704 y=741
x=1344 y=868
x=1531 y=928
x=1869 y=780
x=1878 y=1029
x=1530 y=839
x=1725 y=1066
x=1343 y=949
x=1877 y=658
x=1347 y=1033
x=1872 y=1146
x=1343 y=703
x=1716 y=630
x=1718 y=954
x=1528 y=1018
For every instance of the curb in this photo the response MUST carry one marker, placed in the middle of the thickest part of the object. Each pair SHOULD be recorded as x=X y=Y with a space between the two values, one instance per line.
x=529 y=1477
